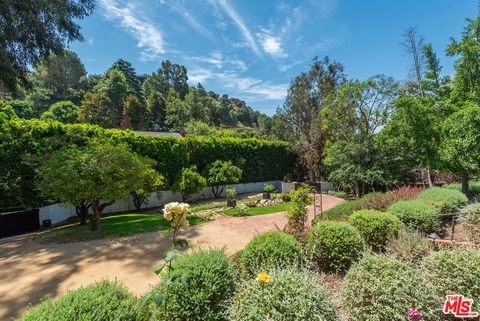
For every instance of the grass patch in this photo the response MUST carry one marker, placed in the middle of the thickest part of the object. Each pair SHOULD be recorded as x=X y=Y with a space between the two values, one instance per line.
x=110 y=226
x=260 y=210
x=208 y=206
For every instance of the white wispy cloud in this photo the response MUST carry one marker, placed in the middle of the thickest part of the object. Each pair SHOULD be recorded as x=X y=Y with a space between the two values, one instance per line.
x=147 y=34
x=218 y=60
x=230 y=11
x=242 y=86
x=190 y=19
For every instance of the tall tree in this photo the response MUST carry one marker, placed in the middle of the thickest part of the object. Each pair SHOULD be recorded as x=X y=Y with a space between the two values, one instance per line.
x=135 y=87
x=156 y=110
x=32 y=29
x=307 y=96
x=114 y=85
x=467 y=65
x=61 y=75
x=174 y=76
x=178 y=113
x=413 y=46
x=133 y=112
x=95 y=109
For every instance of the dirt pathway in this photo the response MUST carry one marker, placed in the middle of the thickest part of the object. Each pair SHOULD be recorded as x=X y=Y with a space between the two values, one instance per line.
x=30 y=271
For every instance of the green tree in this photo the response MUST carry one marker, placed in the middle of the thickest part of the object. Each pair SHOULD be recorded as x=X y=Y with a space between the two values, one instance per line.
x=114 y=85
x=62 y=111
x=178 y=113
x=221 y=173
x=61 y=74
x=134 y=85
x=94 y=173
x=189 y=182
x=32 y=29
x=150 y=182
x=156 y=110
x=133 y=113
x=197 y=128
x=95 y=109
x=459 y=147
x=22 y=108
x=467 y=65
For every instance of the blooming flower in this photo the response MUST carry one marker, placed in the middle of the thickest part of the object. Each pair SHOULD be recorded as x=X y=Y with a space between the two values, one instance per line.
x=414 y=315
x=263 y=277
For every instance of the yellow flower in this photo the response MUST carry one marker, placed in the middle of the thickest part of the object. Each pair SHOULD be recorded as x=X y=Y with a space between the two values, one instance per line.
x=263 y=277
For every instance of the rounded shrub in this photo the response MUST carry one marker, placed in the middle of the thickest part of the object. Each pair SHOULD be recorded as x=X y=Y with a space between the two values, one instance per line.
x=380 y=288
x=270 y=250
x=416 y=215
x=376 y=227
x=447 y=200
x=454 y=271
x=334 y=246
x=290 y=294
x=470 y=220
x=102 y=301
x=211 y=284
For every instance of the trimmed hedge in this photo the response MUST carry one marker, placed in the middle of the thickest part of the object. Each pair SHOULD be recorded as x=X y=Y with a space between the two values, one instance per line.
x=375 y=226
x=334 y=246
x=270 y=250
x=447 y=200
x=455 y=272
x=211 y=281
x=102 y=301
x=24 y=142
x=417 y=215
x=380 y=288
x=294 y=295
x=473 y=189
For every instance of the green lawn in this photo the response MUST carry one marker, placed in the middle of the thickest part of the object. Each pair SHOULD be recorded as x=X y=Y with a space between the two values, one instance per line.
x=208 y=206
x=110 y=226
x=260 y=210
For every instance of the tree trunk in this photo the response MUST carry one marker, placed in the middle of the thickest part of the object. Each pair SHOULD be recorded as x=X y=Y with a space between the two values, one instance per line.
x=217 y=190
x=82 y=211
x=465 y=184
x=96 y=215
x=429 y=177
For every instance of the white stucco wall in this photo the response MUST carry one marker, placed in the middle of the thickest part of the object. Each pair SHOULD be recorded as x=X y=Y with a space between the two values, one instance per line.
x=60 y=212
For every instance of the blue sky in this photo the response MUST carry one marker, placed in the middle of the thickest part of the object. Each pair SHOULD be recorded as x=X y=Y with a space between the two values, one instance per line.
x=252 y=49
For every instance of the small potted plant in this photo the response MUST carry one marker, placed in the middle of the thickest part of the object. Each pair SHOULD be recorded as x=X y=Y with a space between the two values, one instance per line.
x=231 y=201
x=268 y=189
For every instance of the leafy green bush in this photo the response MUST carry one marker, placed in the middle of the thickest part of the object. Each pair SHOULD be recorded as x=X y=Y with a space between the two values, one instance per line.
x=470 y=220
x=211 y=284
x=296 y=212
x=268 y=188
x=454 y=272
x=408 y=246
x=334 y=246
x=231 y=192
x=380 y=288
x=102 y=301
x=189 y=182
x=375 y=226
x=445 y=199
x=270 y=250
x=221 y=173
x=473 y=189
x=63 y=111
x=290 y=294
x=417 y=215
x=340 y=194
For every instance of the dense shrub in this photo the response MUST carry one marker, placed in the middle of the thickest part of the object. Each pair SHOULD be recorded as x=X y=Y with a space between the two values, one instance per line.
x=445 y=199
x=470 y=220
x=408 y=246
x=102 y=301
x=334 y=246
x=211 y=284
x=375 y=226
x=297 y=213
x=455 y=272
x=417 y=215
x=270 y=250
x=290 y=294
x=376 y=201
x=27 y=140
x=189 y=182
x=380 y=288
x=473 y=189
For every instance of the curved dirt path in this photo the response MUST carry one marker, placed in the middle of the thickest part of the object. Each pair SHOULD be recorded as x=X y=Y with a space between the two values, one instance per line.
x=30 y=271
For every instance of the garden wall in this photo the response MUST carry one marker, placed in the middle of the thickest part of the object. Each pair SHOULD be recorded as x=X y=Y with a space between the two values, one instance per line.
x=60 y=212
